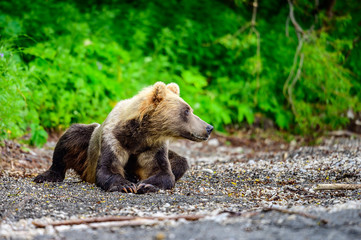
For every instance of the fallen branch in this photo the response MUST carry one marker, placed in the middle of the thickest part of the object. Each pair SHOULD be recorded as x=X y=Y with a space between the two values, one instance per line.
x=337 y=186
x=132 y=223
x=306 y=215
x=128 y=219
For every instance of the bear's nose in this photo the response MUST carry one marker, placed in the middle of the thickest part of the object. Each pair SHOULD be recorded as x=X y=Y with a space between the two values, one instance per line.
x=209 y=129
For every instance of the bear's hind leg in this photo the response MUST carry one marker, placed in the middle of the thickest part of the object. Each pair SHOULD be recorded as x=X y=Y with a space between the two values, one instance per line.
x=69 y=152
x=56 y=173
x=179 y=164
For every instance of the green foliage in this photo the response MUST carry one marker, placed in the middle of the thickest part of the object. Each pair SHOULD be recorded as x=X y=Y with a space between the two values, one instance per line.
x=66 y=62
x=323 y=93
x=15 y=114
x=12 y=99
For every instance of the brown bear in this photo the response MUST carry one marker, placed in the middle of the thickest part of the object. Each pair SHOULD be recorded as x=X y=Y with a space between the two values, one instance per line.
x=129 y=151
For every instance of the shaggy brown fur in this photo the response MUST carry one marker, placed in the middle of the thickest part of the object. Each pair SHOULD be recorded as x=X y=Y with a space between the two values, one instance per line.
x=131 y=146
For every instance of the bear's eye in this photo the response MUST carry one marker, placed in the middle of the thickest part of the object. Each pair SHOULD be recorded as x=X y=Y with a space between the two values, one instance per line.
x=185 y=113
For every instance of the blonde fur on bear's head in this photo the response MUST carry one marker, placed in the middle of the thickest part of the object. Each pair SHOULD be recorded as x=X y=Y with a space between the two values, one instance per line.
x=153 y=96
x=174 y=88
x=158 y=93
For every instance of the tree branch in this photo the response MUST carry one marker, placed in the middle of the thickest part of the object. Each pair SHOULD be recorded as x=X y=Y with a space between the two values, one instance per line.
x=254 y=13
x=337 y=186
x=258 y=51
x=292 y=85
x=295 y=58
x=298 y=28
x=128 y=219
x=298 y=57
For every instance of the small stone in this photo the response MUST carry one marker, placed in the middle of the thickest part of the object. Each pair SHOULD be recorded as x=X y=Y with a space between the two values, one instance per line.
x=160 y=236
x=213 y=142
x=207 y=170
x=251 y=162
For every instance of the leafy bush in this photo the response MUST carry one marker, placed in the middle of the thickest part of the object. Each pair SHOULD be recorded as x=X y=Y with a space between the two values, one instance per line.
x=15 y=114
x=67 y=62
x=12 y=99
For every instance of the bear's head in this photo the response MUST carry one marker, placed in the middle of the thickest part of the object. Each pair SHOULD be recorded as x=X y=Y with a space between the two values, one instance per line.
x=168 y=115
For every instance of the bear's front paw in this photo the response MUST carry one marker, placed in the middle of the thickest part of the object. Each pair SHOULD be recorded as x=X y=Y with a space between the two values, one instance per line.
x=130 y=188
x=146 y=188
x=49 y=176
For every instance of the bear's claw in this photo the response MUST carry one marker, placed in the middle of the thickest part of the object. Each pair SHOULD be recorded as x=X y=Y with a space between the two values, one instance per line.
x=125 y=189
x=132 y=189
x=146 y=188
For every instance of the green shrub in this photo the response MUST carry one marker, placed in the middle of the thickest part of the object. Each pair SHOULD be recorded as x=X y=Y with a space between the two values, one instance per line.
x=15 y=115
x=71 y=62
x=12 y=98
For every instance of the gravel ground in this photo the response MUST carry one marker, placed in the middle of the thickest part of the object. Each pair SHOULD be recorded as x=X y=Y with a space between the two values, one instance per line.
x=237 y=192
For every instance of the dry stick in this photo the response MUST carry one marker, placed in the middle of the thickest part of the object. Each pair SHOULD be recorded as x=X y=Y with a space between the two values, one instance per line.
x=252 y=24
x=116 y=219
x=306 y=215
x=132 y=223
x=290 y=76
x=337 y=186
x=301 y=38
x=292 y=85
x=294 y=22
x=258 y=52
x=254 y=13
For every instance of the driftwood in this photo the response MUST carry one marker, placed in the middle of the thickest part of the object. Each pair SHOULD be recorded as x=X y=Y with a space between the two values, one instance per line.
x=120 y=221
x=337 y=186
x=306 y=215
x=127 y=220
x=131 y=223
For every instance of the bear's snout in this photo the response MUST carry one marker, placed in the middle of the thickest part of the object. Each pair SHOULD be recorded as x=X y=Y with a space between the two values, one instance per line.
x=209 y=129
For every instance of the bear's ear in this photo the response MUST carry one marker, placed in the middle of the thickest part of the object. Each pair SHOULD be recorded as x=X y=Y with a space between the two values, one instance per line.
x=159 y=91
x=174 y=88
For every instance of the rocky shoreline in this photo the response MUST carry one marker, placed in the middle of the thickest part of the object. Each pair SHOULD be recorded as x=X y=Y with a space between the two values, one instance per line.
x=240 y=194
